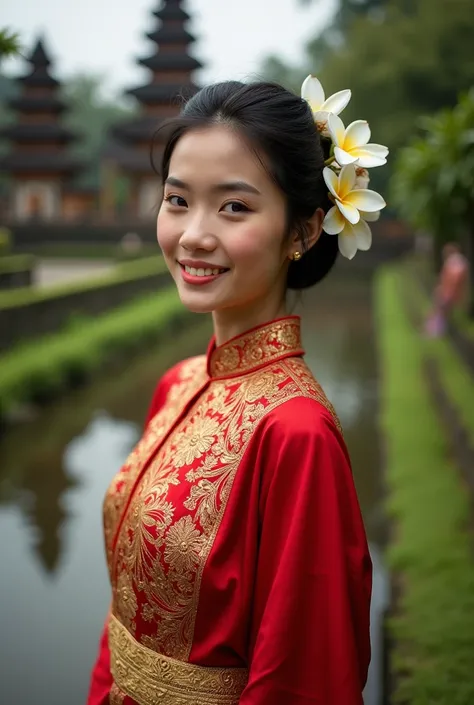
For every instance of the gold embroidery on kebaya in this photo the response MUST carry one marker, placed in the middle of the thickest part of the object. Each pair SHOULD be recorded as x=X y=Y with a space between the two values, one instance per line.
x=192 y=376
x=263 y=345
x=195 y=440
x=150 y=678
x=310 y=387
x=116 y=696
x=176 y=510
x=184 y=544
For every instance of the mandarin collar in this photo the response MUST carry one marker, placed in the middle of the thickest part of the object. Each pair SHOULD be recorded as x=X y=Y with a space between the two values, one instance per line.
x=255 y=348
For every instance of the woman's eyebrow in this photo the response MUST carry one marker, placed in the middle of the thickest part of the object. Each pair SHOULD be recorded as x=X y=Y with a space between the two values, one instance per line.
x=225 y=186
x=237 y=186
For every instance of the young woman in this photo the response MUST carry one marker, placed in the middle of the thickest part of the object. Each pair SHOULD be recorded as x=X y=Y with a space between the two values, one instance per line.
x=237 y=555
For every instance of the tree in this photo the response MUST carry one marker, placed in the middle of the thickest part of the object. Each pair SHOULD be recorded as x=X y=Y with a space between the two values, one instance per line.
x=402 y=59
x=433 y=184
x=9 y=43
x=90 y=116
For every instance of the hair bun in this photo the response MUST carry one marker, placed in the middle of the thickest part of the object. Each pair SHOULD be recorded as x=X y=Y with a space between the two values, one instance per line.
x=315 y=263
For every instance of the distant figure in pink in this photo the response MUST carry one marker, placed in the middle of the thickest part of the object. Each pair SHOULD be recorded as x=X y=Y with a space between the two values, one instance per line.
x=450 y=290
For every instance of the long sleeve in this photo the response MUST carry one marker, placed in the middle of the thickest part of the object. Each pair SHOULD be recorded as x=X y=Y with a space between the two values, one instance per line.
x=309 y=640
x=101 y=680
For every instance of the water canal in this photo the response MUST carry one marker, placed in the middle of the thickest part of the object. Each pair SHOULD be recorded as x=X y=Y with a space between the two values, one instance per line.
x=55 y=467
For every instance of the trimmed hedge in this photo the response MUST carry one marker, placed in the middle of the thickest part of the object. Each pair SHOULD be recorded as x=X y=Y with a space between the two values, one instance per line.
x=16 y=271
x=42 y=369
x=433 y=626
x=31 y=312
x=16 y=263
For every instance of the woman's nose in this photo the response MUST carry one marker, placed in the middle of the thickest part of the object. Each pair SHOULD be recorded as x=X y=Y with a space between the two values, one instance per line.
x=197 y=236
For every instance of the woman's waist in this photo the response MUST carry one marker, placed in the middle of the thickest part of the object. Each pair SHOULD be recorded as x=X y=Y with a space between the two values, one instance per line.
x=149 y=677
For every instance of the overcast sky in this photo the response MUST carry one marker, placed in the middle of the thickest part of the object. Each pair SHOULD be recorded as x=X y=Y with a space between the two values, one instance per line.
x=105 y=36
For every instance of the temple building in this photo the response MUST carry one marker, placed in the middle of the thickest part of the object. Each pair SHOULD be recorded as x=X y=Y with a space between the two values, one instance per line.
x=44 y=174
x=171 y=69
x=39 y=164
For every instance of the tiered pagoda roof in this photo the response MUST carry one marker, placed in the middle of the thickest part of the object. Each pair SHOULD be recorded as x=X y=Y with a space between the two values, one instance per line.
x=171 y=67
x=38 y=140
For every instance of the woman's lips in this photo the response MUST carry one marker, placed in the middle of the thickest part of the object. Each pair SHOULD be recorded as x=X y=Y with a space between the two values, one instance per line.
x=201 y=275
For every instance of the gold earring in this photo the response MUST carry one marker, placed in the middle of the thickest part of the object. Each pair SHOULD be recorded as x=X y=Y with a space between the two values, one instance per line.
x=296 y=256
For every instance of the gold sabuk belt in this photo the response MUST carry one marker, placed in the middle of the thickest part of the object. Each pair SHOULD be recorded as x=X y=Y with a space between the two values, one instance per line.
x=153 y=679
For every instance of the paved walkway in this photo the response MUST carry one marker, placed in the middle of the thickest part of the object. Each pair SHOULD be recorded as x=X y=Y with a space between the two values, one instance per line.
x=55 y=271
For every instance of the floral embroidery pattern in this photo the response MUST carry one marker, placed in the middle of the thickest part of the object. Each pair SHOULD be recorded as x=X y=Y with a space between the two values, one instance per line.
x=184 y=544
x=191 y=377
x=177 y=504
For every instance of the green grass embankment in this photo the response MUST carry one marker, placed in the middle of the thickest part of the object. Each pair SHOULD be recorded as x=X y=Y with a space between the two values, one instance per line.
x=40 y=370
x=433 y=626
x=456 y=378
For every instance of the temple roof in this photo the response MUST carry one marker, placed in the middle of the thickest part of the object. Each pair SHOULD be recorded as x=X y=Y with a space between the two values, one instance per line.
x=38 y=75
x=37 y=132
x=130 y=159
x=140 y=129
x=51 y=163
x=50 y=137
x=171 y=35
x=170 y=61
x=172 y=10
x=38 y=56
x=34 y=104
x=156 y=93
x=171 y=81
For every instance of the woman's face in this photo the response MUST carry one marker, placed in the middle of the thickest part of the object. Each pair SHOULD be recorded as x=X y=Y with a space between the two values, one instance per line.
x=221 y=228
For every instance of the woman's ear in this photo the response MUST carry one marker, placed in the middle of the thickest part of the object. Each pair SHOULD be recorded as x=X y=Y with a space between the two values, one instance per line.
x=314 y=227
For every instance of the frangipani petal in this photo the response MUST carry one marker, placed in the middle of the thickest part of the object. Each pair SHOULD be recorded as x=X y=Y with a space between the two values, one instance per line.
x=365 y=200
x=357 y=135
x=372 y=155
x=379 y=150
x=363 y=235
x=349 y=211
x=346 y=181
x=337 y=102
x=331 y=180
x=347 y=242
x=343 y=158
x=370 y=217
x=313 y=92
x=334 y=222
x=336 y=129
x=369 y=162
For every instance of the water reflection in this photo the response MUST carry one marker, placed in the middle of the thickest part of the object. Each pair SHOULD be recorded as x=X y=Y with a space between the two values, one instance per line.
x=55 y=470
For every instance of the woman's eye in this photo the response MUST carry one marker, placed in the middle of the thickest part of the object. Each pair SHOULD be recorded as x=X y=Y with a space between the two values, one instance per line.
x=235 y=207
x=176 y=201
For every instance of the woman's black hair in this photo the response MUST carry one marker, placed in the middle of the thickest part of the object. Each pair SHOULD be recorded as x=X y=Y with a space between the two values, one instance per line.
x=278 y=125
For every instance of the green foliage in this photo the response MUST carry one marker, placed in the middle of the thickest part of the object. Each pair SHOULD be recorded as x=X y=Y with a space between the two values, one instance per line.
x=39 y=370
x=402 y=59
x=431 y=553
x=91 y=115
x=123 y=272
x=433 y=184
x=9 y=43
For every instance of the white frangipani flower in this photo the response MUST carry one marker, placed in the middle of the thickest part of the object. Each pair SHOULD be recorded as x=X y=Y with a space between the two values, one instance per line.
x=344 y=218
x=370 y=217
x=351 y=144
x=313 y=92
